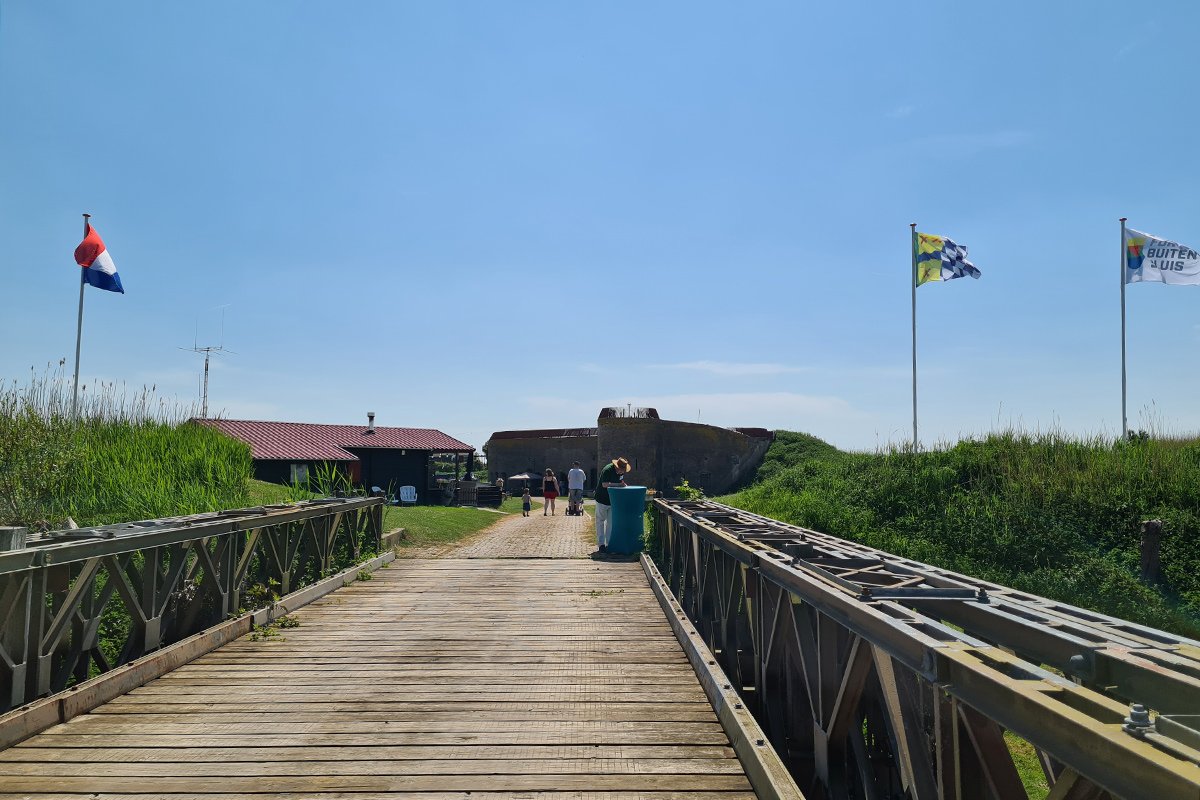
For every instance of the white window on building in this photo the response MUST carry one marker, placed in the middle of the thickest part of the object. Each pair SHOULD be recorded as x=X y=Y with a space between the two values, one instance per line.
x=299 y=473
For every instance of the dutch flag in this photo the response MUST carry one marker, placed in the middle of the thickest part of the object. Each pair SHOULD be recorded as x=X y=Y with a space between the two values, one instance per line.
x=98 y=267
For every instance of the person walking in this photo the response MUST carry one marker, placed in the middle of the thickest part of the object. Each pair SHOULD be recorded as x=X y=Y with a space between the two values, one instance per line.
x=575 y=479
x=611 y=475
x=526 y=501
x=549 y=491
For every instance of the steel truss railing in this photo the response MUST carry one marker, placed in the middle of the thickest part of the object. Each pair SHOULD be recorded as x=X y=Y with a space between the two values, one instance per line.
x=170 y=578
x=879 y=677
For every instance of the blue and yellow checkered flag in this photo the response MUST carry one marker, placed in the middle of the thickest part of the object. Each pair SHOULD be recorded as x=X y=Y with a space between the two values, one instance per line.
x=939 y=259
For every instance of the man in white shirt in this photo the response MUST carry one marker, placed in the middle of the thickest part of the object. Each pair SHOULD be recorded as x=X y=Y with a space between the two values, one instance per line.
x=575 y=479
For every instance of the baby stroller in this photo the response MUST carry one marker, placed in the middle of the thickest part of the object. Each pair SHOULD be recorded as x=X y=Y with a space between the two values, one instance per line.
x=575 y=507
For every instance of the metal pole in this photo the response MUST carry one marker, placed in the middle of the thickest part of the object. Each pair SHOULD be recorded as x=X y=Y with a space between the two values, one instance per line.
x=1124 y=269
x=204 y=408
x=913 y=226
x=79 y=329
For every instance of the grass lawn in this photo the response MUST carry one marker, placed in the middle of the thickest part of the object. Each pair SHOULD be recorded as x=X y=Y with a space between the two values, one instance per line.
x=265 y=494
x=443 y=525
x=425 y=524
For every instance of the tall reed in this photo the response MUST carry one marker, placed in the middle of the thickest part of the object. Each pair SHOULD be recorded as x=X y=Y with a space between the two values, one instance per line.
x=130 y=455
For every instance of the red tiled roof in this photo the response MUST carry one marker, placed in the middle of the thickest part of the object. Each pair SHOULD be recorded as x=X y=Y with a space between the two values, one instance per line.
x=304 y=442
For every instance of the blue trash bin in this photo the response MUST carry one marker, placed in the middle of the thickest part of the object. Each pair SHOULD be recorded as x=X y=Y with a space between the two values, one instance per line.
x=628 y=512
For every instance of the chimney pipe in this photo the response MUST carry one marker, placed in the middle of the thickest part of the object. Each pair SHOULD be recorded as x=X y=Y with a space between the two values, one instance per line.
x=370 y=422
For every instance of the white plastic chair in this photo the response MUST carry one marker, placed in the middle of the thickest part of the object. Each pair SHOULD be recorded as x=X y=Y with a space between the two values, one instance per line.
x=408 y=494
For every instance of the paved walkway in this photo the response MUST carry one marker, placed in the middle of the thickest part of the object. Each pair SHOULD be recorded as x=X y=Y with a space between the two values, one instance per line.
x=514 y=536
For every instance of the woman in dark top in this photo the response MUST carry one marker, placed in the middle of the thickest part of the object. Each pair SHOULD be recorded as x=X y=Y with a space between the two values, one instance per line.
x=549 y=491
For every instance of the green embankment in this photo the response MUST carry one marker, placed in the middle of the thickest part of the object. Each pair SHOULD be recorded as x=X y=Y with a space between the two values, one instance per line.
x=103 y=471
x=1045 y=513
x=789 y=449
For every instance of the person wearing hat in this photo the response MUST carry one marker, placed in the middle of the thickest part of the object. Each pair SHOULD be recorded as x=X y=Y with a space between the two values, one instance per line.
x=611 y=475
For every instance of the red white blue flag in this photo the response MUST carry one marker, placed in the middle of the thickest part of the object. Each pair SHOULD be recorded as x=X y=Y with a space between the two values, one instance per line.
x=98 y=267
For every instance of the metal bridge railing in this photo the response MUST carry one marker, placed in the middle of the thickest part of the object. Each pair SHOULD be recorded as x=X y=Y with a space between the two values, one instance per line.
x=148 y=584
x=880 y=677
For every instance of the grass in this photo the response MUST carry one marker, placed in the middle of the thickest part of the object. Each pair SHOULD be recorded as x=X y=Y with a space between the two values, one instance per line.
x=126 y=458
x=144 y=470
x=262 y=493
x=428 y=525
x=425 y=525
x=1043 y=513
x=790 y=448
x=1028 y=767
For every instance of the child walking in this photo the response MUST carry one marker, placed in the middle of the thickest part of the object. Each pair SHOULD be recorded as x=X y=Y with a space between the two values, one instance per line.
x=525 y=501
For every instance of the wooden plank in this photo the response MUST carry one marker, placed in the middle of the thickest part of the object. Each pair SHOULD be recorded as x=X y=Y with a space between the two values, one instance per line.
x=511 y=660
x=434 y=679
x=501 y=673
x=505 y=690
x=252 y=750
x=28 y=720
x=591 y=741
x=255 y=724
x=333 y=705
x=611 y=795
x=306 y=784
x=573 y=694
x=509 y=766
x=462 y=677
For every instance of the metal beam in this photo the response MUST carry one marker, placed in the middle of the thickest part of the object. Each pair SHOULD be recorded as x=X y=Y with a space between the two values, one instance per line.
x=56 y=593
x=967 y=642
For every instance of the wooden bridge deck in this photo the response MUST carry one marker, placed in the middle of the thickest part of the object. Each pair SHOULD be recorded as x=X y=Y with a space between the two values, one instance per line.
x=494 y=678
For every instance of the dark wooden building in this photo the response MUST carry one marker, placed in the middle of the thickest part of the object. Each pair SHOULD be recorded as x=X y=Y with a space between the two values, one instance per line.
x=289 y=452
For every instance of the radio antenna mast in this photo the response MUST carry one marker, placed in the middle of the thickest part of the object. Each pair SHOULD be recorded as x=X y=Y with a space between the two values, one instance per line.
x=208 y=353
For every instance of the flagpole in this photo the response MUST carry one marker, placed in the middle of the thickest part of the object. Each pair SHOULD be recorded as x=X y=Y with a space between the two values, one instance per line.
x=1124 y=270
x=913 y=226
x=79 y=330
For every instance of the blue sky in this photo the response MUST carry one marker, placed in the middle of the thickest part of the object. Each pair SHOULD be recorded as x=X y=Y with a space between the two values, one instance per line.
x=476 y=216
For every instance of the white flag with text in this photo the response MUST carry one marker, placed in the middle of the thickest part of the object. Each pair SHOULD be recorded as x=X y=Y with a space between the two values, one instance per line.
x=1149 y=259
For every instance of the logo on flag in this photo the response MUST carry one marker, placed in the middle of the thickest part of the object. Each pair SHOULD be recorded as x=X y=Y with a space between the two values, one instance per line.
x=1149 y=259
x=940 y=259
x=98 y=267
x=1135 y=246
